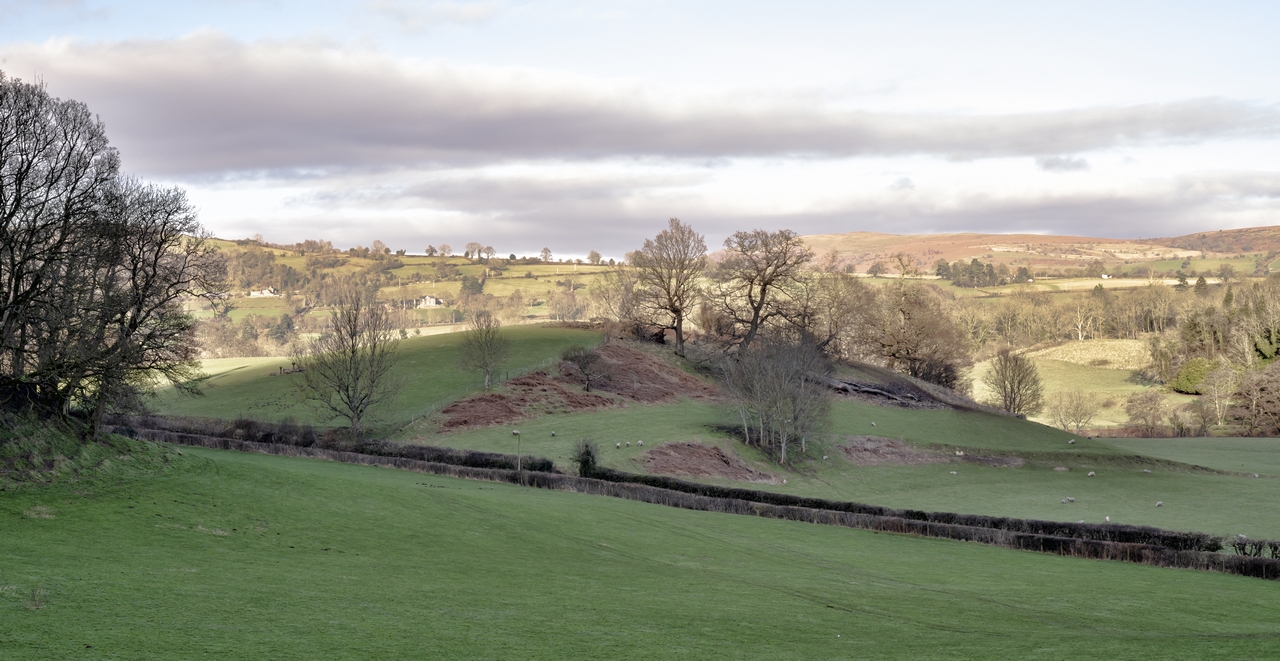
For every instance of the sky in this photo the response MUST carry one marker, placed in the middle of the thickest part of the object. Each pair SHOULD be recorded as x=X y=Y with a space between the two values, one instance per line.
x=584 y=126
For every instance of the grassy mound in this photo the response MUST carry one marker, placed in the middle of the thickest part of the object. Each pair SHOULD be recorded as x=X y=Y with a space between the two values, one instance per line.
x=429 y=370
x=243 y=556
x=35 y=452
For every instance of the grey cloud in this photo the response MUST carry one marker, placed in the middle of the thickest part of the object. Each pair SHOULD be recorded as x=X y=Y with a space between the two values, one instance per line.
x=521 y=215
x=1062 y=164
x=207 y=104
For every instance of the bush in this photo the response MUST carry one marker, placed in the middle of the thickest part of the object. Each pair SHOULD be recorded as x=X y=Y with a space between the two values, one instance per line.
x=1191 y=375
x=586 y=456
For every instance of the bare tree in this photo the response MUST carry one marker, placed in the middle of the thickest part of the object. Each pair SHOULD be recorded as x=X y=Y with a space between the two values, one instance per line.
x=446 y=250
x=877 y=269
x=1146 y=410
x=667 y=270
x=489 y=252
x=1073 y=409
x=1217 y=388
x=346 y=371
x=473 y=250
x=905 y=263
x=756 y=268
x=484 y=347
x=904 y=326
x=589 y=363
x=778 y=390
x=545 y=254
x=593 y=257
x=1015 y=383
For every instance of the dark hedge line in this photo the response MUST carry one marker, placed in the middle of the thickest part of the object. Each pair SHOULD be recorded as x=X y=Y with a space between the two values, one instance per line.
x=1147 y=554
x=155 y=428
x=1123 y=534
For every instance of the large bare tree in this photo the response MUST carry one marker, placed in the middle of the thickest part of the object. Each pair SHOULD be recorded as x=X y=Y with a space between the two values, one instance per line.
x=484 y=347
x=668 y=268
x=346 y=371
x=756 y=267
x=1015 y=383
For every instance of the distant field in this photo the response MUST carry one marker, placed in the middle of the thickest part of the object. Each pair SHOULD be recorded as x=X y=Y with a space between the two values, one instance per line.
x=239 y=556
x=429 y=370
x=1244 y=455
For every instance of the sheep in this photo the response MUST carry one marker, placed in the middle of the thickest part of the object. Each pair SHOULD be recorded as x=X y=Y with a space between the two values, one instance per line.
x=784 y=480
x=1091 y=473
x=959 y=453
x=873 y=424
x=1107 y=518
x=628 y=443
x=954 y=473
x=1159 y=503
x=1064 y=501
x=639 y=442
x=1146 y=470
x=618 y=445
x=1256 y=475
x=1071 y=499
x=1071 y=442
x=1080 y=521
x=824 y=457
x=553 y=434
x=515 y=432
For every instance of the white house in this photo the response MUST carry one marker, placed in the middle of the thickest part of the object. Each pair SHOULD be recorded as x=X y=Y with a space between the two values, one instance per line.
x=430 y=302
x=269 y=292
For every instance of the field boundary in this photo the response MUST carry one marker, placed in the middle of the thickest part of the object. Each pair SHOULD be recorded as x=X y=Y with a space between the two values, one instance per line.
x=1146 y=554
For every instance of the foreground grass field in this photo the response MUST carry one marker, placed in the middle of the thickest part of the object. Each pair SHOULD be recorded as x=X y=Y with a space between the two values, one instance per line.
x=429 y=371
x=235 y=556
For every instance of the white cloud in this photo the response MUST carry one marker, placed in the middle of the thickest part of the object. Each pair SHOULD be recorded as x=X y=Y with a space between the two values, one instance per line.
x=416 y=16
x=208 y=104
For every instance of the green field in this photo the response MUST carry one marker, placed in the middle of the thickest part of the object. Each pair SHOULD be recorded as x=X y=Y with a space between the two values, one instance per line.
x=1242 y=455
x=429 y=371
x=237 y=556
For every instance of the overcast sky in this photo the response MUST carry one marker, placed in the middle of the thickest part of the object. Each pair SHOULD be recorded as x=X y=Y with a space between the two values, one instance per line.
x=585 y=125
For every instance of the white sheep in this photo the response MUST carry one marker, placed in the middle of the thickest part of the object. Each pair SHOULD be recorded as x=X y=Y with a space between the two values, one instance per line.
x=954 y=473
x=1064 y=501
x=824 y=457
x=1091 y=473
x=553 y=434
x=628 y=443
x=1071 y=442
x=515 y=432
x=784 y=480
x=1159 y=503
x=618 y=445
x=1070 y=499
x=1107 y=518
x=639 y=442
x=873 y=424
x=1146 y=470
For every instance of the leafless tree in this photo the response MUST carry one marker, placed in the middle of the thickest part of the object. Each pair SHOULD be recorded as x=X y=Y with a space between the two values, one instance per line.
x=446 y=250
x=905 y=327
x=489 y=252
x=593 y=257
x=1074 y=409
x=1217 y=388
x=473 y=250
x=779 y=395
x=667 y=272
x=545 y=254
x=877 y=269
x=1257 y=401
x=346 y=371
x=1146 y=410
x=484 y=347
x=906 y=264
x=756 y=268
x=589 y=364
x=1015 y=383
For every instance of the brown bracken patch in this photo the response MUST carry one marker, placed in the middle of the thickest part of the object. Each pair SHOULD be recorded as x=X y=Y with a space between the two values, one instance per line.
x=878 y=451
x=644 y=378
x=536 y=392
x=697 y=460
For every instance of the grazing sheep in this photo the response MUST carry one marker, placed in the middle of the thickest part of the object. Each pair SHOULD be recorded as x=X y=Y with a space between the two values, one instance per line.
x=784 y=480
x=873 y=424
x=1107 y=518
x=1091 y=473
x=954 y=473
x=1070 y=499
x=515 y=432
x=1071 y=442
x=618 y=445
x=824 y=457
x=639 y=442
x=628 y=443
x=1146 y=470
x=959 y=453
x=1255 y=475
x=1159 y=503
x=1080 y=521
x=553 y=433
x=1064 y=501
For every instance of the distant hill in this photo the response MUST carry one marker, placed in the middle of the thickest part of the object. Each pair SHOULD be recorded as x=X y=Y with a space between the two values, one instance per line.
x=1040 y=251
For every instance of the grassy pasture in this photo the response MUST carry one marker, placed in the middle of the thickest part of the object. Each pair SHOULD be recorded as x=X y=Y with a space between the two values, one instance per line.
x=237 y=556
x=1243 y=455
x=429 y=370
